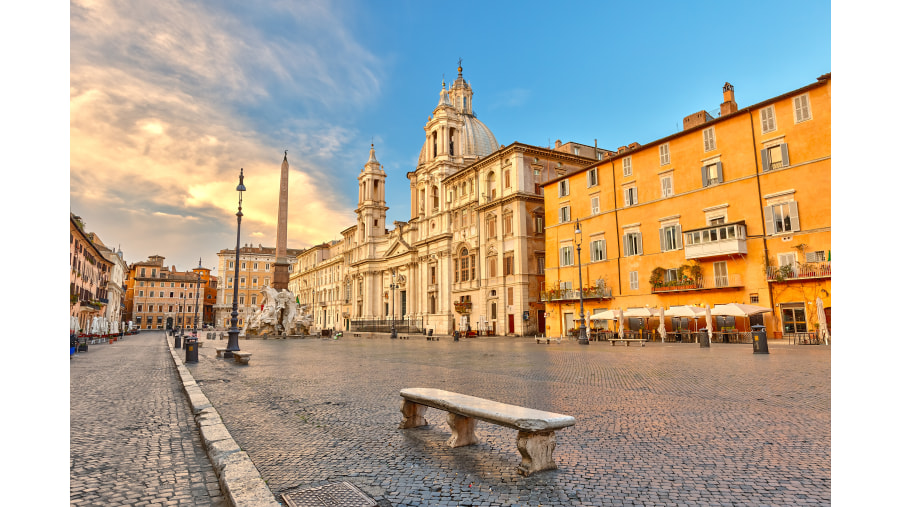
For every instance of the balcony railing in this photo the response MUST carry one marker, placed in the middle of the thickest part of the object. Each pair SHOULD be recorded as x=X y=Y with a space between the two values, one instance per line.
x=702 y=283
x=715 y=240
x=573 y=294
x=798 y=271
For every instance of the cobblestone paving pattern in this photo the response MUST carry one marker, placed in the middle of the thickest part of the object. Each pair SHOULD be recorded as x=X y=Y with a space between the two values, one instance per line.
x=666 y=424
x=133 y=439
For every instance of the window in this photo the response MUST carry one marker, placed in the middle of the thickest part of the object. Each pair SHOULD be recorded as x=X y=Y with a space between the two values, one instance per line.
x=631 y=196
x=243 y=281
x=539 y=224
x=253 y=299
x=670 y=238
x=817 y=256
x=595 y=204
x=782 y=218
x=464 y=266
x=565 y=256
x=767 y=119
x=244 y=265
x=598 y=250
x=255 y=266
x=255 y=281
x=508 y=266
x=563 y=188
x=241 y=299
x=151 y=293
x=775 y=157
x=230 y=264
x=794 y=319
x=626 y=166
x=711 y=174
x=267 y=266
x=540 y=264
x=592 y=178
x=801 y=108
x=666 y=187
x=633 y=244
x=564 y=214
x=671 y=275
x=230 y=281
x=709 y=139
x=538 y=189
x=143 y=272
x=506 y=178
x=720 y=270
x=492 y=266
x=507 y=224
x=754 y=298
x=664 y=154
x=140 y=308
x=633 y=279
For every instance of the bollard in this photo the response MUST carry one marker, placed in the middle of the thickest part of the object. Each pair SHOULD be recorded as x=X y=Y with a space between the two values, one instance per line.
x=760 y=341
x=703 y=338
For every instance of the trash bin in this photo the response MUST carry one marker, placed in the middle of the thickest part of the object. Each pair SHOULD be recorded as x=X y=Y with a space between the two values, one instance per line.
x=430 y=332
x=703 y=338
x=760 y=341
x=456 y=336
x=190 y=350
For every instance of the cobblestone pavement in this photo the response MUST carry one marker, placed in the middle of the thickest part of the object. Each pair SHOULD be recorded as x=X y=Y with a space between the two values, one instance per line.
x=133 y=439
x=666 y=424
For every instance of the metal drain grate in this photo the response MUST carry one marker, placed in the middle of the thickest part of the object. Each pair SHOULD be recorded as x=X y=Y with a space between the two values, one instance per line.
x=338 y=494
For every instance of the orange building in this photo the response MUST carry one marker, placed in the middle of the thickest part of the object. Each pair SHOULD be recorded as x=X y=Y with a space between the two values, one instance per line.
x=732 y=209
x=159 y=297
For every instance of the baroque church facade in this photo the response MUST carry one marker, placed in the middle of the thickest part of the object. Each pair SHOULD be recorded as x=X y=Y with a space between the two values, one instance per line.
x=471 y=256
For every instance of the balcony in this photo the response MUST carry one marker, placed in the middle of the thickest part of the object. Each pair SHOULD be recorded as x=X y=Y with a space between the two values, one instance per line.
x=702 y=283
x=798 y=271
x=573 y=294
x=715 y=240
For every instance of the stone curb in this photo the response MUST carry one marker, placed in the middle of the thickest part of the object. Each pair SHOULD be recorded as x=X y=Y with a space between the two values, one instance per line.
x=239 y=478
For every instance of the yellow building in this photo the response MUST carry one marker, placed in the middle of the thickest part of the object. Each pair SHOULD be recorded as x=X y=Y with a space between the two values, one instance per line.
x=732 y=209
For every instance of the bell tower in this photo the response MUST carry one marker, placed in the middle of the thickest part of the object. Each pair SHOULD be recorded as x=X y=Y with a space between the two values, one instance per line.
x=372 y=210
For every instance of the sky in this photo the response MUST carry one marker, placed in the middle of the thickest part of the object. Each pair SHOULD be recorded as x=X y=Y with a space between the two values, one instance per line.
x=169 y=100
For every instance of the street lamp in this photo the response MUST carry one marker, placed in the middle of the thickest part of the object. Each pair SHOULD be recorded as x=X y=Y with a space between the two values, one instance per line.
x=393 y=286
x=179 y=335
x=197 y=297
x=233 y=331
x=582 y=331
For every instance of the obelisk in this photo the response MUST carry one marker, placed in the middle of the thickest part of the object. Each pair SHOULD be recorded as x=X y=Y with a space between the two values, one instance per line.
x=282 y=262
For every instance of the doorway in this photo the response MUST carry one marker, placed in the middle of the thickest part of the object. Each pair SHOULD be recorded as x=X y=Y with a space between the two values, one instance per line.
x=512 y=323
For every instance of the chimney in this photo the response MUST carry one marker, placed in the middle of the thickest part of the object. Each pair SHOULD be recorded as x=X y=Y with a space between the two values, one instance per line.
x=729 y=106
x=558 y=144
x=697 y=118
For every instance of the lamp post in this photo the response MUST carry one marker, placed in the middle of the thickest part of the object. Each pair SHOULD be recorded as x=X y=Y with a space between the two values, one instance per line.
x=393 y=286
x=582 y=332
x=197 y=297
x=179 y=334
x=233 y=331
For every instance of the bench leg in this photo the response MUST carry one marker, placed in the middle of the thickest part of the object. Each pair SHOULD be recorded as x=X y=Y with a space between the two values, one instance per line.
x=463 y=430
x=536 y=449
x=413 y=415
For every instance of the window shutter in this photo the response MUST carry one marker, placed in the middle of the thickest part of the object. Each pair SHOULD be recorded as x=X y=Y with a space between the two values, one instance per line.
x=678 y=245
x=719 y=172
x=785 y=160
x=795 y=216
x=770 y=220
x=704 y=177
x=634 y=197
x=764 y=156
x=627 y=245
x=662 y=240
x=640 y=244
x=602 y=249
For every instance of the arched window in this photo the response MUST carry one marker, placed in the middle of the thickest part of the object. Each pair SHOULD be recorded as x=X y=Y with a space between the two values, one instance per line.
x=452 y=136
x=434 y=144
x=435 y=199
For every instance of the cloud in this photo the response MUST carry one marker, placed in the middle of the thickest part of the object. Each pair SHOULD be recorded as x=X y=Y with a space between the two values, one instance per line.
x=169 y=100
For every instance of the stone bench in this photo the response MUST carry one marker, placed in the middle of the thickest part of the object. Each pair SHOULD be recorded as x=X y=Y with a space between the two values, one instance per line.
x=219 y=352
x=432 y=338
x=536 y=439
x=541 y=339
x=627 y=341
x=242 y=357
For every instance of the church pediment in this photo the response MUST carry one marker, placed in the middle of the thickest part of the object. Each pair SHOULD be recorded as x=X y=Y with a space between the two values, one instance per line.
x=398 y=247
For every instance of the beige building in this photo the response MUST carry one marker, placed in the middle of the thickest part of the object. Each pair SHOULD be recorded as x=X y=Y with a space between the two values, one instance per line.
x=471 y=255
x=257 y=270
x=89 y=276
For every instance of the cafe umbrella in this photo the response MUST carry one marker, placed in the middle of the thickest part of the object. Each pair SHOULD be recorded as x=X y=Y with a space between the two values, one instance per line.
x=823 y=322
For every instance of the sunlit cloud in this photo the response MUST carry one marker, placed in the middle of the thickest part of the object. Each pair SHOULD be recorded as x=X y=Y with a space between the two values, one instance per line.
x=168 y=104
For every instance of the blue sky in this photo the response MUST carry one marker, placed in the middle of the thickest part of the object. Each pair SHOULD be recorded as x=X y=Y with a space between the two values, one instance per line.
x=169 y=100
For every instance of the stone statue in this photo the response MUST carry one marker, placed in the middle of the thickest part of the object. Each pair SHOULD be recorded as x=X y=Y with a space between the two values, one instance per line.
x=279 y=316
